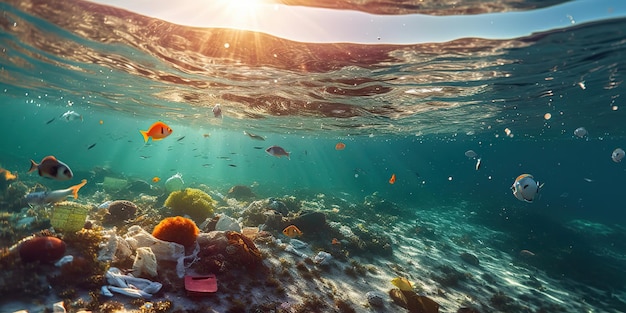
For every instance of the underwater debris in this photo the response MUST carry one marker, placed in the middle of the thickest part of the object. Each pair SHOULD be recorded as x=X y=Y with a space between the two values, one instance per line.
x=322 y=258
x=177 y=229
x=145 y=263
x=193 y=202
x=129 y=285
x=68 y=216
x=113 y=185
x=226 y=223
x=174 y=183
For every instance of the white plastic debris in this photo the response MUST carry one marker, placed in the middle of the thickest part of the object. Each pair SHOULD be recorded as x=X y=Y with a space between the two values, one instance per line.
x=322 y=258
x=226 y=223
x=105 y=204
x=289 y=248
x=115 y=248
x=129 y=285
x=174 y=183
x=64 y=260
x=145 y=262
x=137 y=237
x=298 y=244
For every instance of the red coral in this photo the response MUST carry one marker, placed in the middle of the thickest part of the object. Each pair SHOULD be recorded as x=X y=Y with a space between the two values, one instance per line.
x=177 y=229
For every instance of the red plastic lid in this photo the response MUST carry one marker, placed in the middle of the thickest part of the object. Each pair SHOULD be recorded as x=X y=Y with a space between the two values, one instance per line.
x=201 y=284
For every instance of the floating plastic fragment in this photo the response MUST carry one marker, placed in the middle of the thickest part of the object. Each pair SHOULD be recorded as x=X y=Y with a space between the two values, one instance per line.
x=617 y=155
x=174 y=183
x=580 y=132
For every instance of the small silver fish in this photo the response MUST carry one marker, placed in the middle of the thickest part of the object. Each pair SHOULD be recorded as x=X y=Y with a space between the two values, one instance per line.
x=478 y=164
x=277 y=152
x=217 y=111
x=253 y=136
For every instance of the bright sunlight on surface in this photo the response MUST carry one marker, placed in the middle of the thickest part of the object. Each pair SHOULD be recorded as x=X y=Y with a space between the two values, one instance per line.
x=241 y=12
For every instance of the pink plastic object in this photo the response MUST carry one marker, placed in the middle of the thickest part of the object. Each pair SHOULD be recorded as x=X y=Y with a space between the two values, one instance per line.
x=198 y=285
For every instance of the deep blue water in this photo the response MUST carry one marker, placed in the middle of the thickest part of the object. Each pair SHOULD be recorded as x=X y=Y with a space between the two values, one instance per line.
x=411 y=111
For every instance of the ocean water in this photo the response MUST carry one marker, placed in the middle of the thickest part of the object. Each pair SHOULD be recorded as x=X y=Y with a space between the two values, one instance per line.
x=406 y=110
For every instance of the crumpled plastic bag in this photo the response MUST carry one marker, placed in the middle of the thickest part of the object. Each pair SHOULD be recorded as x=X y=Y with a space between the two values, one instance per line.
x=115 y=248
x=129 y=285
x=137 y=237
x=145 y=262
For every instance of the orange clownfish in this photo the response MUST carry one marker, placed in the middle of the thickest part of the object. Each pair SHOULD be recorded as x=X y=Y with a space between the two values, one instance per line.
x=155 y=179
x=335 y=242
x=340 y=146
x=157 y=131
x=392 y=179
x=292 y=231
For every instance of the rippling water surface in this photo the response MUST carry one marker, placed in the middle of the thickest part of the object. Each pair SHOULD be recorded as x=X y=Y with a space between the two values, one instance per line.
x=408 y=110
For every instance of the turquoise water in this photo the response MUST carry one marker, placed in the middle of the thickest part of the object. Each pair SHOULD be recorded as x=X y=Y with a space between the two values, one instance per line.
x=411 y=111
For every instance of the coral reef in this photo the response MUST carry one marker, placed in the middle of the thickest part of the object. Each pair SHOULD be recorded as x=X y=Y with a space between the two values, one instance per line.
x=84 y=271
x=13 y=196
x=260 y=212
x=177 y=229
x=242 y=249
x=195 y=203
x=120 y=211
x=19 y=278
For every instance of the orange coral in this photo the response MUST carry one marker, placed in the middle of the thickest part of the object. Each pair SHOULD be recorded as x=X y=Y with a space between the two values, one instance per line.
x=177 y=229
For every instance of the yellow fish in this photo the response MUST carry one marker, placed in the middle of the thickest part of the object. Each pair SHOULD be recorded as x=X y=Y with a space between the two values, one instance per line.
x=292 y=231
x=8 y=175
x=402 y=283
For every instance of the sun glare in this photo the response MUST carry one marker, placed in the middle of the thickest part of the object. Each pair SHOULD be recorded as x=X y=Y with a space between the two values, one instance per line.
x=241 y=12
